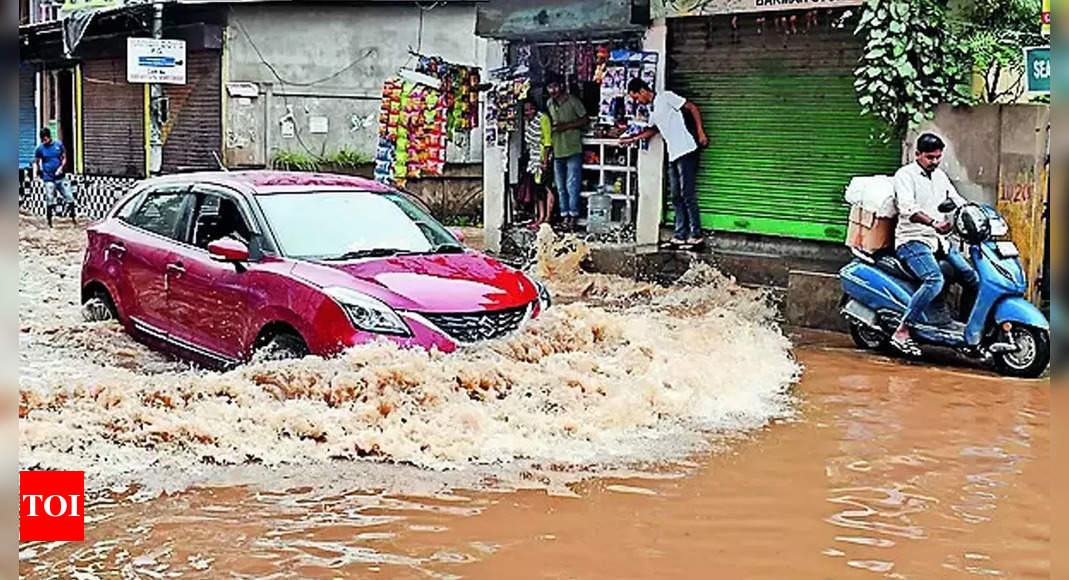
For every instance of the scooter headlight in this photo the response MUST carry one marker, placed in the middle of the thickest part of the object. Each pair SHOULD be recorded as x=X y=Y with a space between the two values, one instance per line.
x=999 y=227
x=367 y=313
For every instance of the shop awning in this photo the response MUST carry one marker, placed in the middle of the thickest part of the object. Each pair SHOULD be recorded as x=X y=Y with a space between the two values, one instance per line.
x=554 y=19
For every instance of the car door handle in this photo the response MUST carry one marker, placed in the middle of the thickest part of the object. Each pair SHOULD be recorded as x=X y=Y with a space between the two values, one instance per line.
x=117 y=248
x=176 y=268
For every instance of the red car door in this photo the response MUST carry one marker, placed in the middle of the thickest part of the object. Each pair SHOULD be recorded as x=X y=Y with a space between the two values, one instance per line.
x=208 y=298
x=143 y=246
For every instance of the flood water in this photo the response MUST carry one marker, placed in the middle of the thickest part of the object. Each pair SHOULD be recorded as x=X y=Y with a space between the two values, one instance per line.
x=865 y=467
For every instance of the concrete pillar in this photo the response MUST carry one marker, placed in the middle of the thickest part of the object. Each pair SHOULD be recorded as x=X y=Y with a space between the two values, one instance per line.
x=651 y=160
x=494 y=161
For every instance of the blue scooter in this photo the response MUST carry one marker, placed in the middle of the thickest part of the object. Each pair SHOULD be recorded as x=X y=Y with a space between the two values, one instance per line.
x=1002 y=327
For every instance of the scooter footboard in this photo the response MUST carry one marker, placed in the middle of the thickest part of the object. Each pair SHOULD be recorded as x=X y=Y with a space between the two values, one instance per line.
x=874 y=288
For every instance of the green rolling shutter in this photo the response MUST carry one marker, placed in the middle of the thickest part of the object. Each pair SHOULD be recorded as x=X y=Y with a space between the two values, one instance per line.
x=787 y=132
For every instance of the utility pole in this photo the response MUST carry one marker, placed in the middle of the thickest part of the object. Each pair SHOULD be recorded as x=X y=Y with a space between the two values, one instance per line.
x=157 y=102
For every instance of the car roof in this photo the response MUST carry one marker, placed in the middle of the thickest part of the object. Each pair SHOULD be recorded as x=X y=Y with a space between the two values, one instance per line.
x=267 y=182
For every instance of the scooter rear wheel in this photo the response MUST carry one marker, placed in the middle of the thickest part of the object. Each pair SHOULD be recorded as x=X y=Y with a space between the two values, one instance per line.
x=1031 y=358
x=868 y=338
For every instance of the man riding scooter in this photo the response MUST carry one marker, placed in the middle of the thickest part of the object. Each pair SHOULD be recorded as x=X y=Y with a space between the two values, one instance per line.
x=921 y=235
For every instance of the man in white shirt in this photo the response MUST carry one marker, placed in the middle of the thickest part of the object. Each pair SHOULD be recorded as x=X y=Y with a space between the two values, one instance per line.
x=921 y=236
x=667 y=119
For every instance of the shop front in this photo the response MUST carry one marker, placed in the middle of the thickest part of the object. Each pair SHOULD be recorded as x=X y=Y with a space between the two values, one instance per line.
x=27 y=132
x=777 y=96
x=593 y=49
x=85 y=97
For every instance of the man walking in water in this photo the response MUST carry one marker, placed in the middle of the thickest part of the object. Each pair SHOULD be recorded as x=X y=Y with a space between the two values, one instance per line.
x=569 y=117
x=50 y=159
x=667 y=119
x=921 y=236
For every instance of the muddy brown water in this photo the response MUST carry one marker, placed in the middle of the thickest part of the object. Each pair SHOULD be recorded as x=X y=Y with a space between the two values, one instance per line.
x=872 y=468
x=890 y=470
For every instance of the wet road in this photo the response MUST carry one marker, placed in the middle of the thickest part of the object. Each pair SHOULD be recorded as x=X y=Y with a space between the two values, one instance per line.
x=890 y=470
x=873 y=469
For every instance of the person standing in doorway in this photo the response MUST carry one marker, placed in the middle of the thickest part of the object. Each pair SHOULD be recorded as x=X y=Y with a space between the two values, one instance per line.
x=50 y=159
x=667 y=119
x=921 y=234
x=538 y=141
x=569 y=117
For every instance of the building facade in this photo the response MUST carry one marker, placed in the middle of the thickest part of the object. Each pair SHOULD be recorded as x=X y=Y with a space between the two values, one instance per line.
x=263 y=79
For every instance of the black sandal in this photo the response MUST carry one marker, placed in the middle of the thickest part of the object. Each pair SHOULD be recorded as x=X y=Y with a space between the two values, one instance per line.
x=906 y=346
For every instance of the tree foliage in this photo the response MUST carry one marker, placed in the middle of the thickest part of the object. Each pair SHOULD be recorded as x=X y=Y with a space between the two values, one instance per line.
x=994 y=34
x=911 y=64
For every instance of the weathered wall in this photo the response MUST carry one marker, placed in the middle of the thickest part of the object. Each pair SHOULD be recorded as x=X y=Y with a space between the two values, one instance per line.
x=333 y=61
x=1023 y=184
x=971 y=159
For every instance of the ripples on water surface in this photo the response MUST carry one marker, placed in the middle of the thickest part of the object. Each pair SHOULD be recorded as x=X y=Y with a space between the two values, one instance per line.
x=579 y=448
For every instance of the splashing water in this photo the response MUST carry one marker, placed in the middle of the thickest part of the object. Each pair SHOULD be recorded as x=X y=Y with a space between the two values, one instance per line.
x=624 y=371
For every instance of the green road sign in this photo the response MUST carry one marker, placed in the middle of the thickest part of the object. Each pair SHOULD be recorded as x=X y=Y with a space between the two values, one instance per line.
x=1037 y=69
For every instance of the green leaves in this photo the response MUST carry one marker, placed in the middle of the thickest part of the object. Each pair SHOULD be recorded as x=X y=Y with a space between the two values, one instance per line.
x=911 y=62
x=906 y=70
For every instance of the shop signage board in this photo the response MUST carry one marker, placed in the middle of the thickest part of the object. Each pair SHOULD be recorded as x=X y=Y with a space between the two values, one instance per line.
x=152 y=60
x=1037 y=69
x=1044 y=19
x=678 y=8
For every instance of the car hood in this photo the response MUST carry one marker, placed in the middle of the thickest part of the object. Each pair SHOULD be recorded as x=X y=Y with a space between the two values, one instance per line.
x=468 y=282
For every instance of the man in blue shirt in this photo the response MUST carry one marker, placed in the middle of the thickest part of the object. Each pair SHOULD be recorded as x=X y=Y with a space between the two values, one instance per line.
x=50 y=158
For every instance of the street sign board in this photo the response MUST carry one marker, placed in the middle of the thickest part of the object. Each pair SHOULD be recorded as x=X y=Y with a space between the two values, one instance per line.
x=75 y=5
x=152 y=60
x=1037 y=69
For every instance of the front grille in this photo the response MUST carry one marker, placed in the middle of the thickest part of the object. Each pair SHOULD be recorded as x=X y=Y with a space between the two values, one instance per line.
x=477 y=326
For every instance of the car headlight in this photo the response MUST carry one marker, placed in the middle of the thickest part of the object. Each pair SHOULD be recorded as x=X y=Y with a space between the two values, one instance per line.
x=543 y=294
x=367 y=313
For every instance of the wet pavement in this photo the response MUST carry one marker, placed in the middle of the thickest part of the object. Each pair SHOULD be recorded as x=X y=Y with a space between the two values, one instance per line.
x=869 y=468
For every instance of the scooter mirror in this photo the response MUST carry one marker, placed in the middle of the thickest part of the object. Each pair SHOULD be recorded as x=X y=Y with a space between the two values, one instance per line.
x=948 y=206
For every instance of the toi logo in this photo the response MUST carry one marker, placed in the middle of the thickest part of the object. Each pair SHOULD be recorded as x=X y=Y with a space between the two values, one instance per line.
x=52 y=506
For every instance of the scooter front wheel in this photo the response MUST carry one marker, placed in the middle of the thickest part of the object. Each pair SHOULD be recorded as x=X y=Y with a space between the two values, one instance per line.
x=868 y=338
x=1032 y=356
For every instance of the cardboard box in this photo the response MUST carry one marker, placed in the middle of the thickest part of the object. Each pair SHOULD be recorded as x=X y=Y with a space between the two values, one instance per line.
x=868 y=232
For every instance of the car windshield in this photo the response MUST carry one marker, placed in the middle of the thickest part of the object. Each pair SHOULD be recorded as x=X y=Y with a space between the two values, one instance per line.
x=339 y=225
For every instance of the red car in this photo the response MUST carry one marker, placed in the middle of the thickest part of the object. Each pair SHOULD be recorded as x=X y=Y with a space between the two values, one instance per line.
x=215 y=266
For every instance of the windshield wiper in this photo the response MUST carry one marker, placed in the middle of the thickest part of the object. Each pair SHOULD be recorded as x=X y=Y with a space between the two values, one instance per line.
x=369 y=253
x=447 y=248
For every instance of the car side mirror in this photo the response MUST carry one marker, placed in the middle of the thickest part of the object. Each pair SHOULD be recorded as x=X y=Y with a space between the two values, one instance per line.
x=947 y=206
x=458 y=234
x=228 y=250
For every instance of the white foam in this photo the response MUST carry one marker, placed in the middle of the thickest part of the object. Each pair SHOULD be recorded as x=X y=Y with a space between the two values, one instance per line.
x=629 y=372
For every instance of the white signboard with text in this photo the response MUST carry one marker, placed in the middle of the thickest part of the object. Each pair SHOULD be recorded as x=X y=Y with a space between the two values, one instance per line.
x=151 y=60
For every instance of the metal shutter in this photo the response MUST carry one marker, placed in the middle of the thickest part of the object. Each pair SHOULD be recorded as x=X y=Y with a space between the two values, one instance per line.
x=787 y=132
x=27 y=115
x=113 y=119
x=194 y=130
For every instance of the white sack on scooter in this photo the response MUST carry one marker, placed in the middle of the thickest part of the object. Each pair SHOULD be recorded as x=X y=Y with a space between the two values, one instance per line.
x=874 y=193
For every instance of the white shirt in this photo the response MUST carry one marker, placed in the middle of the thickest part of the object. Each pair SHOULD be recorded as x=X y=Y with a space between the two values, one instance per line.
x=918 y=192
x=667 y=116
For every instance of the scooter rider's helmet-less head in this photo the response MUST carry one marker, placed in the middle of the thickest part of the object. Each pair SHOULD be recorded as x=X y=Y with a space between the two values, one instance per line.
x=973 y=224
x=929 y=151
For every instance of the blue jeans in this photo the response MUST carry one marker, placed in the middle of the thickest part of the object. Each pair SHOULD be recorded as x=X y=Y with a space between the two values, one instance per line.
x=682 y=185
x=569 y=177
x=921 y=260
x=57 y=192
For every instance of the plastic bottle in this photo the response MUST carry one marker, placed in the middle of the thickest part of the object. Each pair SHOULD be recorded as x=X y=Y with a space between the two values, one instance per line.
x=599 y=208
